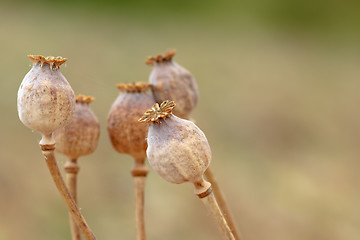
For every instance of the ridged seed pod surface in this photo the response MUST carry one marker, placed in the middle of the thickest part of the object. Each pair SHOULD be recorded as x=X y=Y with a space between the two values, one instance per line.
x=81 y=136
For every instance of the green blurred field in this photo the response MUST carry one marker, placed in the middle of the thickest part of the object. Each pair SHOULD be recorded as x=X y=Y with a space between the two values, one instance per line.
x=279 y=89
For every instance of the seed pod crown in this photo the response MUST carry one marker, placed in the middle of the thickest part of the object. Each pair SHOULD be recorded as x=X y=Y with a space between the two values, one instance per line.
x=167 y=57
x=84 y=99
x=53 y=62
x=157 y=113
x=137 y=87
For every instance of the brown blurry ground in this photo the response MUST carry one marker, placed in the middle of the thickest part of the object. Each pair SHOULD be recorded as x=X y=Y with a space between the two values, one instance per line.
x=280 y=110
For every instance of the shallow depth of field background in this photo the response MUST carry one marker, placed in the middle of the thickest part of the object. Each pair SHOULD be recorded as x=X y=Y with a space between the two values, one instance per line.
x=279 y=103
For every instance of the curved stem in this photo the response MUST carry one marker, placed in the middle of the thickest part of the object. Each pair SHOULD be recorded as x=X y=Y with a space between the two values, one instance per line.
x=213 y=207
x=139 y=173
x=221 y=201
x=48 y=152
x=71 y=168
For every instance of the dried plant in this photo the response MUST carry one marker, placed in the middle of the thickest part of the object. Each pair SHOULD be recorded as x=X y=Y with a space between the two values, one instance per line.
x=46 y=102
x=79 y=138
x=179 y=152
x=171 y=81
x=128 y=137
x=176 y=148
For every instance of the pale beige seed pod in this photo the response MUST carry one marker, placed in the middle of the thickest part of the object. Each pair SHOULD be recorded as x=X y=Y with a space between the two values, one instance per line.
x=125 y=133
x=81 y=136
x=46 y=101
x=177 y=149
x=171 y=81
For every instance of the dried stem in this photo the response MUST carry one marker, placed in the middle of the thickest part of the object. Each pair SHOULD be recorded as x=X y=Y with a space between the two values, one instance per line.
x=221 y=201
x=71 y=168
x=139 y=173
x=213 y=207
x=48 y=152
x=139 y=207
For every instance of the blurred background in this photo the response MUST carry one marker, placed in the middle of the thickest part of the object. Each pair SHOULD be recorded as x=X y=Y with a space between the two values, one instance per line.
x=279 y=86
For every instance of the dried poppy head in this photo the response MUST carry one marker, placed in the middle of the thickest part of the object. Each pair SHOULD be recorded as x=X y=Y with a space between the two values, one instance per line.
x=171 y=81
x=46 y=101
x=125 y=134
x=81 y=136
x=177 y=149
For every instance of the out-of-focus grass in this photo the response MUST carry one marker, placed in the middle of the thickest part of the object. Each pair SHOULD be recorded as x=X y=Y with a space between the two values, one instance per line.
x=280 y=112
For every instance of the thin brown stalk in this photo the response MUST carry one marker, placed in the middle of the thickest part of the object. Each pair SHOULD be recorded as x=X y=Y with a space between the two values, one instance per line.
x=48 y=152
x=213 y=207
x=139 y=207
x=71 y=168
x=209 y=174
x=139 y=173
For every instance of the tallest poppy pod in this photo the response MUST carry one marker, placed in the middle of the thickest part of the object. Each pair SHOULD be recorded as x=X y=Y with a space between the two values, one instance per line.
x=46 y=101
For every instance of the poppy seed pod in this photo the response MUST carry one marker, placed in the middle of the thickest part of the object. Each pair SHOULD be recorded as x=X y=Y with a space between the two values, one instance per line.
x=171 y=81
x=125 y=133
x=45 y=100
x=81 y=136
x=177 y=149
